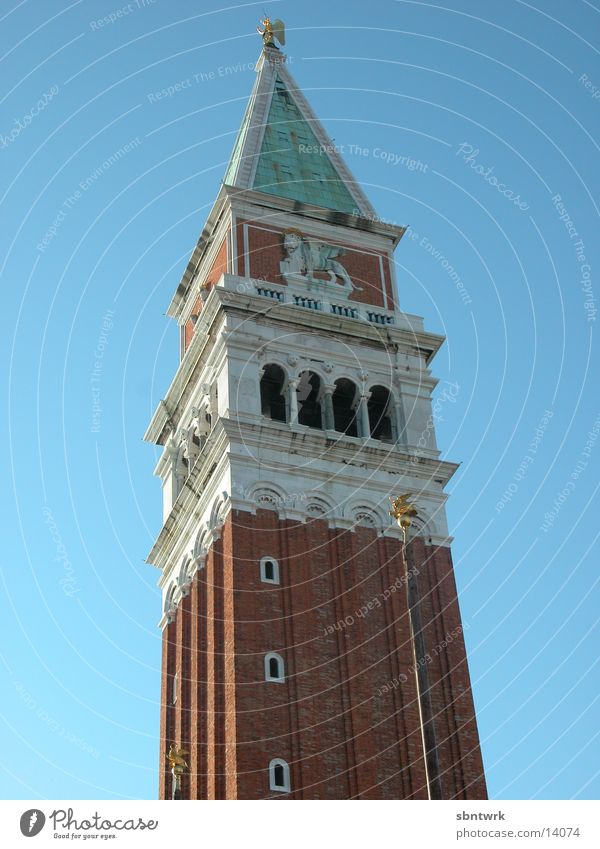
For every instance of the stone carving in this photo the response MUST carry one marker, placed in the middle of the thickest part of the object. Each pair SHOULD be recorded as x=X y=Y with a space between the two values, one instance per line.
x=366 y=518
x=185 y=447
x=200 y=422
x=191 y=449
x=303 y=257
x=179 y=468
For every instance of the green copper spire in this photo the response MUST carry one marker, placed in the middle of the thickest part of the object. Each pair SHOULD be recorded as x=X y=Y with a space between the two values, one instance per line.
x=292 y=163
x=283 y=150
x=234 y=162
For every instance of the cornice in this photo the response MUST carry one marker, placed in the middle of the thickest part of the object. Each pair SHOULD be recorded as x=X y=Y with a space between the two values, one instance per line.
x=232 y=442
x=363 y=226
x=354 y=452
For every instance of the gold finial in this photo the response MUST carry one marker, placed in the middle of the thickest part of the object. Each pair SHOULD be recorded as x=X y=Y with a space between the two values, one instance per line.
x=403 y=511
x=176 y=758
x=272 y=30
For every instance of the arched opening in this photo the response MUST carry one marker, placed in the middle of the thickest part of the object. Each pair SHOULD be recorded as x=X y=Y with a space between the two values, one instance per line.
x=274 y=668
x=279 y=776
x=309 y=402
x=344 y=409
x=380 y=414
x=272 y=399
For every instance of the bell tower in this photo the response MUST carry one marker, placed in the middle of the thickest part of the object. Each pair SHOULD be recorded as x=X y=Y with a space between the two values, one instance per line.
x=303 y=656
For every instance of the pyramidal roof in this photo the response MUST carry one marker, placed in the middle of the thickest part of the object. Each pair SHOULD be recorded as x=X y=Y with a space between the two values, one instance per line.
x=282 y=148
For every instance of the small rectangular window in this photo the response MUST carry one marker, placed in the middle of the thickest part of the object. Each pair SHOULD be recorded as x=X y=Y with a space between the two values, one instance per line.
x=269 y=570
x=279 y=776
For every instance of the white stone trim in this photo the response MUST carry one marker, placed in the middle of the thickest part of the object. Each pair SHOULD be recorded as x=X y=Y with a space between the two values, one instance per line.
x=250 y=202
x=354 y=511
x=246 y=250
x=272 y=655
x=382 y=277
x=286 y=786
x=263 y=570
x=257 y=110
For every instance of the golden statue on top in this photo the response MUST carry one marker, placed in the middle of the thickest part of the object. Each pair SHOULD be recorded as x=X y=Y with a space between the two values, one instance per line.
x=403 y=511
x=272 y=30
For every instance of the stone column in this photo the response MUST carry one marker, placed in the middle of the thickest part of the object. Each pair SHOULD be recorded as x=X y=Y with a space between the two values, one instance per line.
x=292 y=387
x=328 y=417
x=363 y=416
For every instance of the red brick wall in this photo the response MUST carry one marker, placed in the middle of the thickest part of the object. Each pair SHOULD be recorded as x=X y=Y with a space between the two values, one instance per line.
x=456 y=727
x=218 y=267
x=167 y=714
x=346 y=719
x=265 y=252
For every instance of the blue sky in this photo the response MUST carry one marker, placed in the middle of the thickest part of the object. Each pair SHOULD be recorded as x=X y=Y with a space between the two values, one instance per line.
x=497 y=103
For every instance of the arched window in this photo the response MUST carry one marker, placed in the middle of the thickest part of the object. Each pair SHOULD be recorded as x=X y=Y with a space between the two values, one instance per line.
x=272 y=400
x=309 y=401
x=274 y=668
x=380 y=414
x=279 y=776
x=174 y=688
x=269 y=570
x=344 y=408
